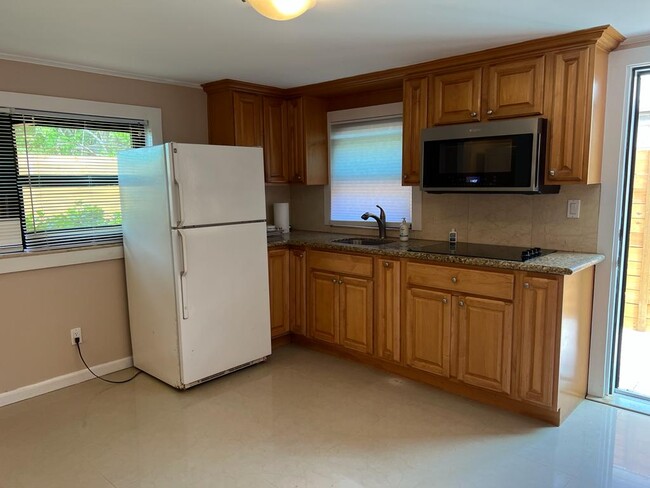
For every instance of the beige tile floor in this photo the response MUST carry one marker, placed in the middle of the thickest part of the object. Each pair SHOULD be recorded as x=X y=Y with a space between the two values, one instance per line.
x=308 y=420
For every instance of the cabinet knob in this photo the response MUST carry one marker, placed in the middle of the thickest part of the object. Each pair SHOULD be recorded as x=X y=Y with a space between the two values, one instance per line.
x=340 y=282
x=473 y=114
x=444 y=300
x=490 y=112
x=299 y=178
x=335 y=281
x=454 y=279
x=461 y=303
x=386 y=264
x=526 y=285
x=406 y=176
x=552 y=172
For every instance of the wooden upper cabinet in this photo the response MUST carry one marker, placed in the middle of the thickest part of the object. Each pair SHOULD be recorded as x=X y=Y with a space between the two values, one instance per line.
x=387 y=317
x=247 y=110
x=415 y=118
x=279 y=291
x=538 y=339
x=515 y=88
x=456 y=97
x=484 y=342
x=307 y=141
x=276 y=163
x=428 y=330
x=571 y=157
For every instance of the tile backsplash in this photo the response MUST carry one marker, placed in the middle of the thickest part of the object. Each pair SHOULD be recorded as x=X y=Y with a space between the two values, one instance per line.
x=517 y=220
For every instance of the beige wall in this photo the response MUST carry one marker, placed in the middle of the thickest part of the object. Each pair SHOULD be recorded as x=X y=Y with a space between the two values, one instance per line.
x=516 y=220
x=40 y=307
x=184 y=110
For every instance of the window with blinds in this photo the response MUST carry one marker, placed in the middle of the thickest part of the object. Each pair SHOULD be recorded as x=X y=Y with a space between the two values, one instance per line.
x=58 y=179
x=366 y=170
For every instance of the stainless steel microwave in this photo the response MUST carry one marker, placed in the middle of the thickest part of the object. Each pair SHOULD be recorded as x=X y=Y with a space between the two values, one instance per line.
x=501 y=156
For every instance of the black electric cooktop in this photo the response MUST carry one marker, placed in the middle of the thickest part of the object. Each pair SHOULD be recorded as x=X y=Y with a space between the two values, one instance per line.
x=489 y=251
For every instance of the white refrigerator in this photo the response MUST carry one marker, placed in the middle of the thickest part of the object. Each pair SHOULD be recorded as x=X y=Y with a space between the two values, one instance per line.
x=194 y=224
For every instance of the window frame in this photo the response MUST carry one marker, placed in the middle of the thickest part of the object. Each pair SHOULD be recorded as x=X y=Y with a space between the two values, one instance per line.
x=39 y=259
x=374 y=112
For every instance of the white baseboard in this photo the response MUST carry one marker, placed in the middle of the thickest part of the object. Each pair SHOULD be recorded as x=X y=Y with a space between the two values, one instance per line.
x=29 y=391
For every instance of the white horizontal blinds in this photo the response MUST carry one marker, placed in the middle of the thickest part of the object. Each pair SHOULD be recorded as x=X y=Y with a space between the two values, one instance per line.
x=67 y=177
x=366 y=170
x=10 y=231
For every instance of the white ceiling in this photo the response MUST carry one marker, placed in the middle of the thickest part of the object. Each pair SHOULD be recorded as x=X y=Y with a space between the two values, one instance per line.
x=196 y=41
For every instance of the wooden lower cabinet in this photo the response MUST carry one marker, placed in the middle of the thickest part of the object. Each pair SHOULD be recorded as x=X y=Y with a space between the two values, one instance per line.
x=513 y=339
x=298 y=291
x=355 y=313
x=484 y=342
x=537 y=341
x=341 y=306
x=324 y=306
x=279 y=291
x=387 y=316
x=428 y=330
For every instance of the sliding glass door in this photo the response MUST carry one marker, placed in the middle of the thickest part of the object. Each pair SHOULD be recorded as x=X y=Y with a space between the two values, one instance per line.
x=632 y=360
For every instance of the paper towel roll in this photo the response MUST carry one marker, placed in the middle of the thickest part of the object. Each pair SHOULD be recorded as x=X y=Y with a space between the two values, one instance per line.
x=281 y=216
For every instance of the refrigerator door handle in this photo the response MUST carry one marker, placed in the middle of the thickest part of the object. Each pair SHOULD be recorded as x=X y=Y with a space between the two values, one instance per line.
x=179 y=197
x=186 y=314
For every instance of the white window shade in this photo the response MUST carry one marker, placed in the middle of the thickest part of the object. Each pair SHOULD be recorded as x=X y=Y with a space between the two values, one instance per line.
x=366 y=170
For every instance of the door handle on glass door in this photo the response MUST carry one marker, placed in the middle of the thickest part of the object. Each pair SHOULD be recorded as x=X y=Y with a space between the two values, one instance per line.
x=186 y=313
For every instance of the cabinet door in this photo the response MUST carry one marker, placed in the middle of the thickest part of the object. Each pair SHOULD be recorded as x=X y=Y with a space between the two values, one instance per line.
x=297 y=292
x=515 y=88
x=428 y=330
x=387 y=318
x=456 y=97
x=279 y=291
x=415 y=118
x=570 y=118
x=276 y=164
x=247 y=109
x=295 y=140
x=537 y=342
x=308 y=141
x=484 y=342
x=324 y=306
x=355 y=325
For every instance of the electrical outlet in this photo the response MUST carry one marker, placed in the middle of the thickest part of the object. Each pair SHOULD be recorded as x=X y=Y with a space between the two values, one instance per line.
x=74 y=333
x=573 y=209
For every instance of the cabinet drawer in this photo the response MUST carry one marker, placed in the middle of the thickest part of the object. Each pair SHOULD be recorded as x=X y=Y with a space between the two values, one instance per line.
x=487 y=283
x=348 y=264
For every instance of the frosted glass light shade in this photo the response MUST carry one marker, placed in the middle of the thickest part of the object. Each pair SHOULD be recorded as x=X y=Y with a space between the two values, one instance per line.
x=281 y=9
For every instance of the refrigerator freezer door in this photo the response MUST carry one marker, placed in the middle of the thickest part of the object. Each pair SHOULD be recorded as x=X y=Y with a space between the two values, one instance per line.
x=223 y=298
x=216 y=184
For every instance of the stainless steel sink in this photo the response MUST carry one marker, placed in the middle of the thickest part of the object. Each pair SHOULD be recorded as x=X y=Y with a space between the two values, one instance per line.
x=364 y=241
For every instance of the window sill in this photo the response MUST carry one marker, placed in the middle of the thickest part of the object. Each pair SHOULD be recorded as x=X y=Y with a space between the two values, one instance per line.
x=28 y=261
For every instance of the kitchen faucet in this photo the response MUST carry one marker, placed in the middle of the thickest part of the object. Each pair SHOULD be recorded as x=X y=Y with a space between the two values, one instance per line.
x=381 y=221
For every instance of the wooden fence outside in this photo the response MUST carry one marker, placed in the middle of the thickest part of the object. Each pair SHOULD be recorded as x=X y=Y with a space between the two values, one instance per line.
x=637 y=289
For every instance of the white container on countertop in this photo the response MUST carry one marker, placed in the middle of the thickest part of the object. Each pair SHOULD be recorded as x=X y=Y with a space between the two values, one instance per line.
x=281 y=216
x=404 y=231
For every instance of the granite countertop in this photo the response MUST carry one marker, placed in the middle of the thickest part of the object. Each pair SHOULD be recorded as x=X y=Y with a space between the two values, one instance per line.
x=560 y=262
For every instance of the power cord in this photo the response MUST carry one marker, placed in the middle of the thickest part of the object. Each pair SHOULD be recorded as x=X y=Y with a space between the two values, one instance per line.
x=76 y=341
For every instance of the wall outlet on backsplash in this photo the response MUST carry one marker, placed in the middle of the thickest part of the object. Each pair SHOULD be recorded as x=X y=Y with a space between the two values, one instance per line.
x=573 y=209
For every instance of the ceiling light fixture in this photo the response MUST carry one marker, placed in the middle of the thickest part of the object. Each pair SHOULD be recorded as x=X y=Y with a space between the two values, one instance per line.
x=281 y=9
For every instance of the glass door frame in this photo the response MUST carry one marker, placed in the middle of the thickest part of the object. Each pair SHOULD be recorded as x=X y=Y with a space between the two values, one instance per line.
x=629 y=162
